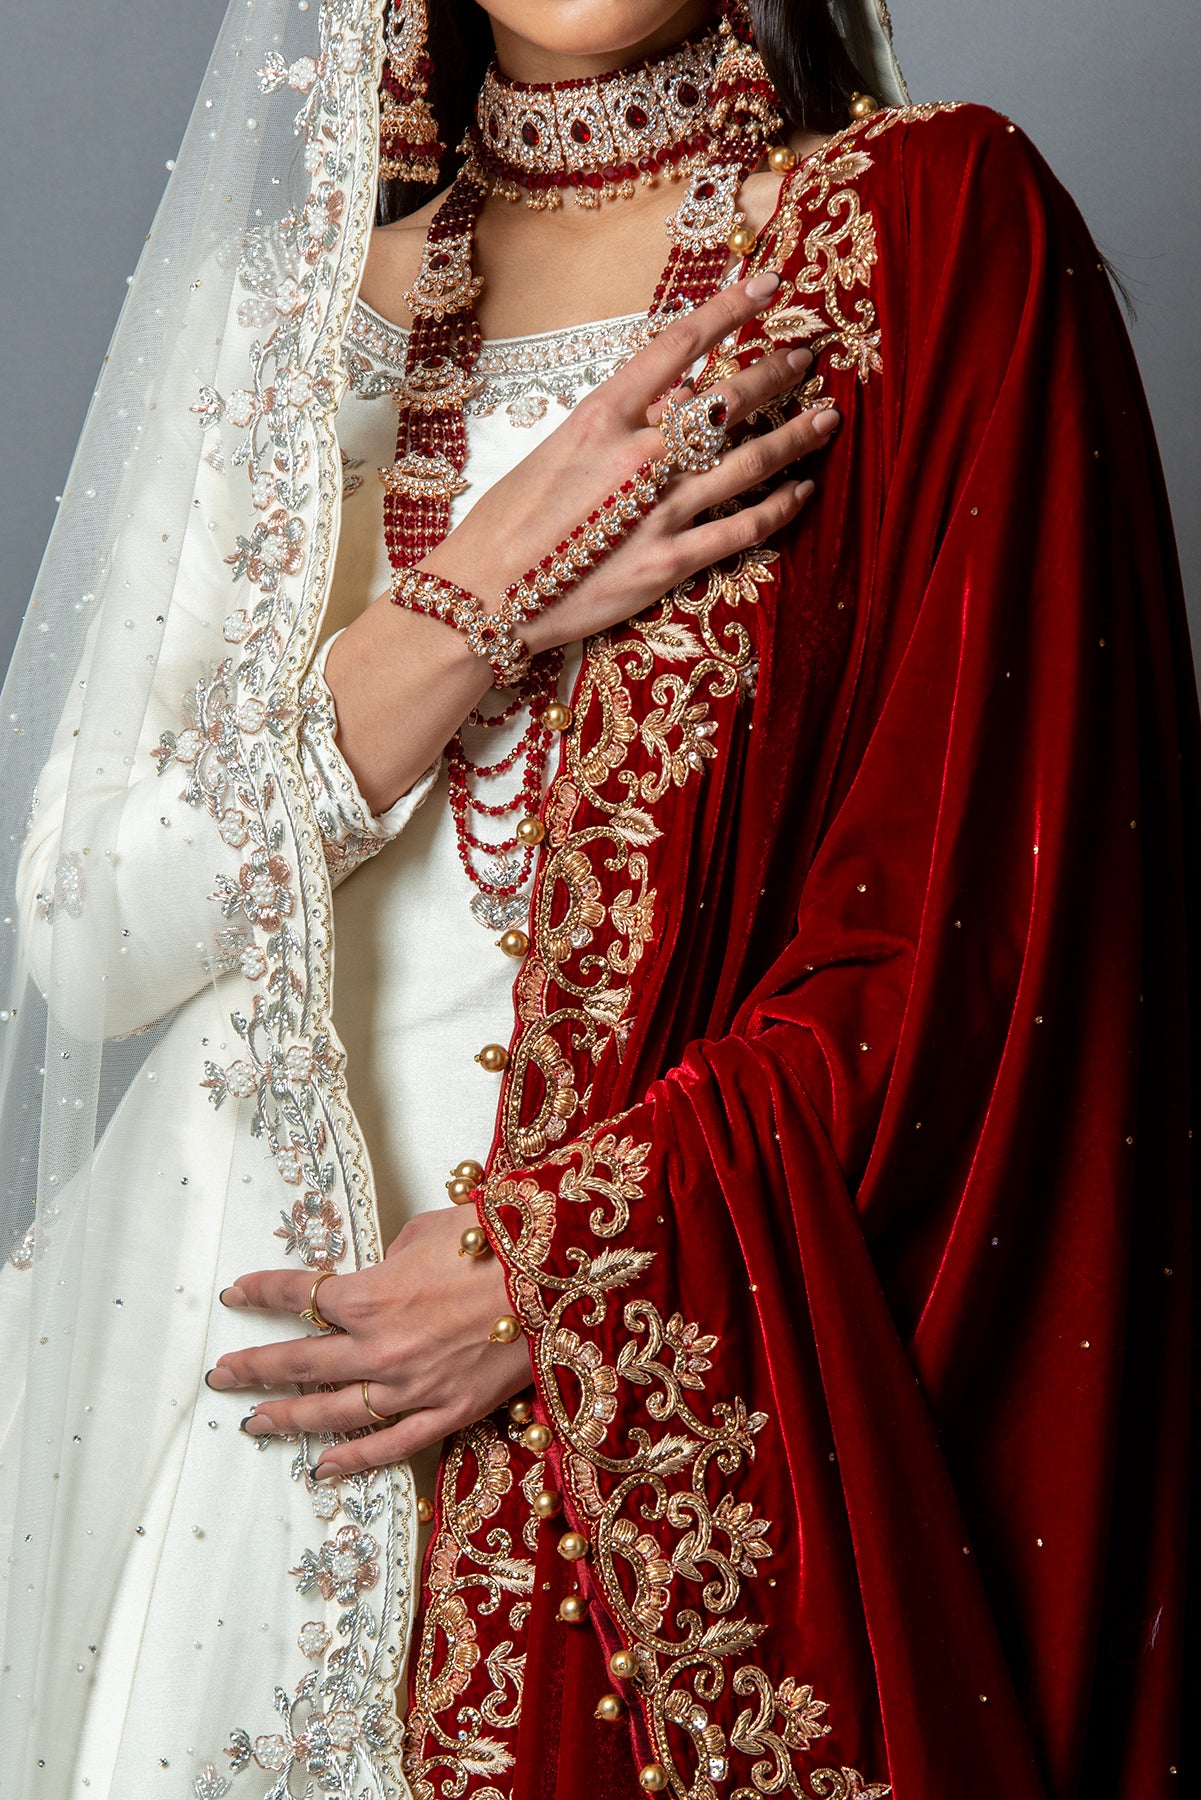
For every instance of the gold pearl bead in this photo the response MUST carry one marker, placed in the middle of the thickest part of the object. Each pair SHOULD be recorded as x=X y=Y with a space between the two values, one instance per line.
x=547 y=1504
x=609 y=1707
x=493 y=1057
x=460 y=1190
x=572 y=1546
x=623 y=1664
x=469 y=1170
x=742 y=240
x=473 y=1242
x=505 y=1330
x=652 y=1777
x=556 y=716
x=781 y=158
x=425 y=1510
x=572 y=1608
x=536 y=1438
x=863 y=106
x=530 y=831
x=513 y=943
x=520 y=1411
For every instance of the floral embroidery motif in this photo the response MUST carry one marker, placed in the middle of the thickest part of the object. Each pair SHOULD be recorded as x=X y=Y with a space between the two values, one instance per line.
x=524 y=376
x=242 y=753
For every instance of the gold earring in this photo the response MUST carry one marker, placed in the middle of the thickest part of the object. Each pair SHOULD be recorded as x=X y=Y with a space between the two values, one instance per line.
x=409 y=147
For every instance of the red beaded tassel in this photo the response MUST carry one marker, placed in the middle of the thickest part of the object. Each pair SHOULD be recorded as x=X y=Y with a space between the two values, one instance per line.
x=409 y=146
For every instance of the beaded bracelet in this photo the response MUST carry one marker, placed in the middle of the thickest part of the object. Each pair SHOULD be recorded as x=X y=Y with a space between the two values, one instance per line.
x=587 y=545
x=490 y=636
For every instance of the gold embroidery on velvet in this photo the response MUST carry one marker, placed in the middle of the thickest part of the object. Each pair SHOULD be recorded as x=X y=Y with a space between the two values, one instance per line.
x=676 y=1599
x=670 y=1562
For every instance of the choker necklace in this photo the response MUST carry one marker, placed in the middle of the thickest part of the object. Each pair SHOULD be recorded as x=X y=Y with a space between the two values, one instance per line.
x=598 y=136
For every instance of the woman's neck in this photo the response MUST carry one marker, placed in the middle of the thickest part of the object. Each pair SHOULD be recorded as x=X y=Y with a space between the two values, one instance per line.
x=522 y=60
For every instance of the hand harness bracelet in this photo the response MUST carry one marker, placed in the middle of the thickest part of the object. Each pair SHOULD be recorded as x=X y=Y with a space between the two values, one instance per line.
x=694 y=436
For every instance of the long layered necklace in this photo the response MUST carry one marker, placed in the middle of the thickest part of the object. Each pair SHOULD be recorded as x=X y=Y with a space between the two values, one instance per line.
x=703 y=112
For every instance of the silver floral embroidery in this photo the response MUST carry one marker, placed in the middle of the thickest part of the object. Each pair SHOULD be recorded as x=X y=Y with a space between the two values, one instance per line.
x=525 y=377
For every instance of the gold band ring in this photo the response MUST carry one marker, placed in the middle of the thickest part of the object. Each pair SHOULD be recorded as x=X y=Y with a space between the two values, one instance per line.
x=312 y=1314
x=384 y=1418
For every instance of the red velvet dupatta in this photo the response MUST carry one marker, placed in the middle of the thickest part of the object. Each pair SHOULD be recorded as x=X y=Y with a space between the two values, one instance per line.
x=842 y=1172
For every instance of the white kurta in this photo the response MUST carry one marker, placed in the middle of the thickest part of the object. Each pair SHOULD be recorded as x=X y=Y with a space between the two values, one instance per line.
x=177 y=1610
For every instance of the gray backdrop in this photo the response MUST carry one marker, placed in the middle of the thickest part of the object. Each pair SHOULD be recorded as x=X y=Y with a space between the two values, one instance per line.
x=97 y=98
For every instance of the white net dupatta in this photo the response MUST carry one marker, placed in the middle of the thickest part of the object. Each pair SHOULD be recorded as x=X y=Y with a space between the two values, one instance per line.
x=185 y=1612
x=866 y=28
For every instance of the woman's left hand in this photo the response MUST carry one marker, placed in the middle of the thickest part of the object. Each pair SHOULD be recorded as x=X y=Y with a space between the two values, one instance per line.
x=415 y=1327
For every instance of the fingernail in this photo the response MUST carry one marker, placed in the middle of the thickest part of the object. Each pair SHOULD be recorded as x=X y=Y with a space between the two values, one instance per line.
x=232 y=1296
x=762 y=287
x=826 y=422
x=326 y=1474
x=804 y=489
x=220 y=1379
x=799 y=359
x=245 y=1424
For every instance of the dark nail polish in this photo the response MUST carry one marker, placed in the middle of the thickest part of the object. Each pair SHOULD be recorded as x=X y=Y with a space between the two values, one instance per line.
x=243 y=1423
x=207 y=1382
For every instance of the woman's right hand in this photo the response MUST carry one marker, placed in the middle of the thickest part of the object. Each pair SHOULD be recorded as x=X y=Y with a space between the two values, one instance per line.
x=608 y=436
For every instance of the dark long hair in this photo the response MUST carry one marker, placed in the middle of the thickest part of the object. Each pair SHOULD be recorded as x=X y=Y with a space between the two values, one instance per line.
x=805 y=57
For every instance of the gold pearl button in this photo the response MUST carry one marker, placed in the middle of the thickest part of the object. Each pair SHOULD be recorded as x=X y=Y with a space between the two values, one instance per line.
x=572 y=1608
x=473 y=1242
x=520 y=1411
x=506 y=1330
x=547 y=1504
x=536 y=1438
x=460 y=1190
x=556 y=716
x=469 y=1170
x=493 y=1057
x=609 y=1707
x=623 y=1664
x=425 y=1510
x=863 y=106
x=742 y=240
x=781 y=158
x=652 y=1777
x=572 y=1546
x=530 y=831
x=513 y=943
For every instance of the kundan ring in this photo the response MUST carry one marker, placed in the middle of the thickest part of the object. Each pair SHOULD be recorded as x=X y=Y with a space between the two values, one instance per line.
x=694 y=432
x=312 y=1314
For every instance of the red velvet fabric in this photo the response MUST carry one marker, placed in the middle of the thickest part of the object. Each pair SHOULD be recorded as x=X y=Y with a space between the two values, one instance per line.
x=860 y=1042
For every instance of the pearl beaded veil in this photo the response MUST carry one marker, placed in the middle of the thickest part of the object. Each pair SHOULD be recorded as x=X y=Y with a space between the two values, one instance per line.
x=174 y=1104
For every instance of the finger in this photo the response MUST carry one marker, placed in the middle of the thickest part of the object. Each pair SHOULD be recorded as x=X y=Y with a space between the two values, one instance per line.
x=319 y=1356
x=766 y=379
x=757 y=460
x=659 y=366
x=390 y=1444
x=287 y=1290
x=319 y=1415
x=743 y=530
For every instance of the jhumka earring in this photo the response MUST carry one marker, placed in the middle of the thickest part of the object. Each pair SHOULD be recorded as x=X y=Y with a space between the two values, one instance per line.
x=409 y=148
x=742 y=88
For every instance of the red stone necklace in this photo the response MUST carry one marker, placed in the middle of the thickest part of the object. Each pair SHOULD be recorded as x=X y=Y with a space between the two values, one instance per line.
x=723 y=144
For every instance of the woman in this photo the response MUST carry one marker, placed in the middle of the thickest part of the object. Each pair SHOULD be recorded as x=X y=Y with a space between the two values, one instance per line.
x=805 y=1352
